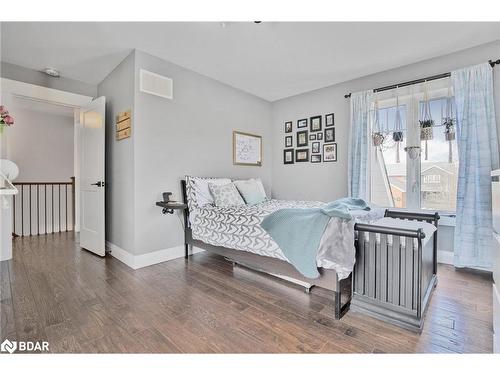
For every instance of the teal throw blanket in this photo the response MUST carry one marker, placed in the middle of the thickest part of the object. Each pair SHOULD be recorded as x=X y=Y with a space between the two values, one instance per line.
x=298 y=231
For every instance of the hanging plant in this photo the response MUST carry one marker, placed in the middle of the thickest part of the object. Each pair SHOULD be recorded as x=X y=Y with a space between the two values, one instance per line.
x=449 y=125
x=449 y=128
x=426 y=123
x=397 y=135
x=377 y=136
x=426 y=132
x=5 y=118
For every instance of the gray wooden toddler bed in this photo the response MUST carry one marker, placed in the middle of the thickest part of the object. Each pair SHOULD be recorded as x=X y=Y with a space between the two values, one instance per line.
x=395 y=267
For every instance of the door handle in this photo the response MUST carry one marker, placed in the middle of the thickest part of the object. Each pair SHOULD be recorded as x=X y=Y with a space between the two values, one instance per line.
x=98 y=184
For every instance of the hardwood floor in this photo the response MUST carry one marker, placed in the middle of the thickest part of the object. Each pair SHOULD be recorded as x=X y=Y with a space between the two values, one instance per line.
x=79 y=302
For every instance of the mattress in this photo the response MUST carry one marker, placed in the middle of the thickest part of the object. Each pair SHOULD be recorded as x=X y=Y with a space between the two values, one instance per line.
x=238 y=227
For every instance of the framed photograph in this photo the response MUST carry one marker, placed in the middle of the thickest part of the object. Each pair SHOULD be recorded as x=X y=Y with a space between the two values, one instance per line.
x=247 y=149
x=330 y=135
x=288 y=156
x=330 y=119
x=302 y=139
x=316 y=158
x=302 y=155
x=315 y=123
x=302 y=123
x=288 y=127
x=288 y=141
x=319 y=136
x=312 y=137
x=329 y=152
x=315 y=148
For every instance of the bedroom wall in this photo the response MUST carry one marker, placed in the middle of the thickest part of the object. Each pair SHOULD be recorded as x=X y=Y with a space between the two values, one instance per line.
x=190 y=134
x=328 y=181
x=118 y=88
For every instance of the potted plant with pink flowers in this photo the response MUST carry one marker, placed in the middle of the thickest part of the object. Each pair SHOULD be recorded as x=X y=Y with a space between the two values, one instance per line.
x=5 y=118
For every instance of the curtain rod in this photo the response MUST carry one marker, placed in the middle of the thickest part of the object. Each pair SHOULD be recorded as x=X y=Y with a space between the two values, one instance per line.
x=421 y=80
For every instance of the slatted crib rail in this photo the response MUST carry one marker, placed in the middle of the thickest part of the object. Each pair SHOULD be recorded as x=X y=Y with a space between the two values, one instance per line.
x=393 y=272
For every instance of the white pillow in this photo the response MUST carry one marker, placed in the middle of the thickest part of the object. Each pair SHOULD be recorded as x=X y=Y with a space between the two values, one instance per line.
x=251 y=190
x=202 y=191
x=226 y=195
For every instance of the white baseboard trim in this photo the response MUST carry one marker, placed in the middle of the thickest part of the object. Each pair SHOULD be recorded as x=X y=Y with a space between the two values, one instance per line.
x=148 y=259
x=445 y=257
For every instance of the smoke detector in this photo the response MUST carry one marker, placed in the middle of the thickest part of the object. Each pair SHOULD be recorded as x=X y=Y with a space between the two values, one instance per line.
x=51 y=72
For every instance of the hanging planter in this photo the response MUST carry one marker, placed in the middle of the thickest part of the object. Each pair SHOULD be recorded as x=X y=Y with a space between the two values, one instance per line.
x=426 y=133
x=413 y=152
x=449 y=128
x=449 y=125
x=397 y=135
x=378 y=138
x=426 y=123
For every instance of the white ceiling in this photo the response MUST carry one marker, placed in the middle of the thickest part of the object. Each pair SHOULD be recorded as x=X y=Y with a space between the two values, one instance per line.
x=271 y=60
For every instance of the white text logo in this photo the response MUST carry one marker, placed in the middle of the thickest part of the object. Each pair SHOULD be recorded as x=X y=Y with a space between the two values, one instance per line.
x=24 y=346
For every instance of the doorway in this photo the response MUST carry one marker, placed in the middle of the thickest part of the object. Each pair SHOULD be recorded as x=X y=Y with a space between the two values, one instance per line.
x=46 y=143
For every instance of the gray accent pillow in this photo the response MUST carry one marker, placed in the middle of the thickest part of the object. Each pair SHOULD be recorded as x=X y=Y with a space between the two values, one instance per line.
x=226 y=195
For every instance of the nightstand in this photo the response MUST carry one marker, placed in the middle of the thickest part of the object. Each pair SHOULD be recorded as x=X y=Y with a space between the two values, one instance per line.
x=171 y=206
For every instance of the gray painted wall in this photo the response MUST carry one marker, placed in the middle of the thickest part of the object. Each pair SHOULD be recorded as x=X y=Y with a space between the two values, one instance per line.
x=191 y=134
x=41 y=144
x=19 y=73
x=118 y=88
x=328 y=181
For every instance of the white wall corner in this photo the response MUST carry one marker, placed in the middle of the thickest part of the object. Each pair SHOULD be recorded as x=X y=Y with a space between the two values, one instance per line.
x=144 y=260
x=445 y=257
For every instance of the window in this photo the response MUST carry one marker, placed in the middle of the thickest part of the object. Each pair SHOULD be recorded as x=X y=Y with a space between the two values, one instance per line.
x=428 y=182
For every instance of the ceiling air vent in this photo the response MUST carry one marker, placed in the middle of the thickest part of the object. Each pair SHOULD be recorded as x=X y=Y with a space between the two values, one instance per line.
x=156 y=84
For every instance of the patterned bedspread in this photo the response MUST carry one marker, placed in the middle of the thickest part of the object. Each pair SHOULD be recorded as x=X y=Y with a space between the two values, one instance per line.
x=239 y=227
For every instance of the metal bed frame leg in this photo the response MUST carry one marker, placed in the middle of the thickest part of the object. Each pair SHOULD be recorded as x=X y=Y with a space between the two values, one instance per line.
x=343 y=287
x=186 y=250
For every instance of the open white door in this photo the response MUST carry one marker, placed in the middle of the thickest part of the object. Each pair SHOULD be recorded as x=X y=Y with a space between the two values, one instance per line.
x=92 y=225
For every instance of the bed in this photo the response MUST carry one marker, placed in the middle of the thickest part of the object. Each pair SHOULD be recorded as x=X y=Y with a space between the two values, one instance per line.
x=390 y=275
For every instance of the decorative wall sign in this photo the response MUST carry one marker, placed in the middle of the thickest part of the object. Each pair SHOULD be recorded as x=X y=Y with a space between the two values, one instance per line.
x=288 y=127
x=302 y=123
x=288 y=156
x=329 y=152
x=316 y=158
x=330 y=135
x=329 y=119
x=288 y=141
x=315 y=148
x=123 y=125
x=302 y=155
x=312 y=137
x=315 y=123
x=302 y=139
x=247 y=149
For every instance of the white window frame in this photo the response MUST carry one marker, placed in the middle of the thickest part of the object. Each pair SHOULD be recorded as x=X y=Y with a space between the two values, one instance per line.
x=411 y=96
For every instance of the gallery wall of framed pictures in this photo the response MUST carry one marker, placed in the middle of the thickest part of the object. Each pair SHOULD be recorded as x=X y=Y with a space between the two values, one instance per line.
x=312 y=139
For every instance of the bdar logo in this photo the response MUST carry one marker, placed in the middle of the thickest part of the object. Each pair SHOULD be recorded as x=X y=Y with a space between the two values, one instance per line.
x=8 y=346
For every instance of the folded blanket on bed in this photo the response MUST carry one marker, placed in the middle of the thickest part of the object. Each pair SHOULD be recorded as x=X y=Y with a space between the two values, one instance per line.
x=298 y=231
